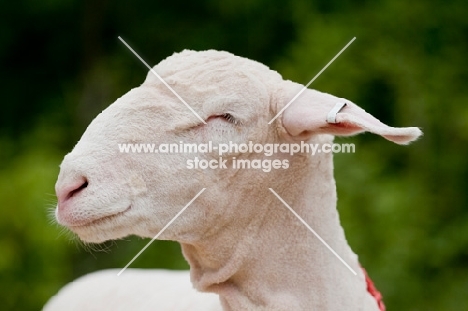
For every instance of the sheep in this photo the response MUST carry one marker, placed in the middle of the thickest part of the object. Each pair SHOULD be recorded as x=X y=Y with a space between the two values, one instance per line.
x=136 y=289
x=239 y=239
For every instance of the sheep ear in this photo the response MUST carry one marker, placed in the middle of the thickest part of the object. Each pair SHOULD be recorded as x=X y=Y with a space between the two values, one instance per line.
x=314 y=112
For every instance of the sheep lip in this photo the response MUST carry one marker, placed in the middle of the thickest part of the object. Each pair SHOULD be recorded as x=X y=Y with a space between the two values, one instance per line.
x=98 y=221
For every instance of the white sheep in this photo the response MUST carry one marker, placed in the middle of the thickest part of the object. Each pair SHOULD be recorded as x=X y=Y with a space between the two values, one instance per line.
x=240 y=240
x=136 y=289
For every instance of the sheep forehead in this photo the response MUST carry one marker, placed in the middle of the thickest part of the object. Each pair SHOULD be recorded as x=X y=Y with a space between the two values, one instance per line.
x=206 y=74
x=206 y=80
x=191 y=63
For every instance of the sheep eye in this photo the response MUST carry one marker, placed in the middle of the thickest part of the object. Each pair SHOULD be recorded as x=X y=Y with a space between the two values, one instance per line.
x=230 y=118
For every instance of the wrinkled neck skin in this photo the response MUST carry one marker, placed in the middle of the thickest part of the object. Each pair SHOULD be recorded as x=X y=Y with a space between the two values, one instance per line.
x=275 y=262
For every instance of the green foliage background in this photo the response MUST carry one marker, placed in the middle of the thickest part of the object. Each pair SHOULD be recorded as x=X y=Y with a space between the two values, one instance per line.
x=404 y=208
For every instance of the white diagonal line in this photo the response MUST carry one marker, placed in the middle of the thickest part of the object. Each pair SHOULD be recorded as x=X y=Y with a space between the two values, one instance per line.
x=313 y=79
x=164 y=82
x=312 y=230
x=159 y=233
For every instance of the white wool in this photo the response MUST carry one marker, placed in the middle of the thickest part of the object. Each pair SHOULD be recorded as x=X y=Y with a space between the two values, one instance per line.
x=239 y=239
x=136 y=289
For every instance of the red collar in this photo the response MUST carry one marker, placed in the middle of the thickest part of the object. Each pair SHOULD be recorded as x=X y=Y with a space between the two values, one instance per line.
x=374 y=292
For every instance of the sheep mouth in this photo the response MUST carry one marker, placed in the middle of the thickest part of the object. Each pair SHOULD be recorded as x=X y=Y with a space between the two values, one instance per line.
x=100 y=221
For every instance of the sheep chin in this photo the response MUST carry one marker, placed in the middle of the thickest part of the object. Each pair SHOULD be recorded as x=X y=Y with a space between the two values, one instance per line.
x=106 y=228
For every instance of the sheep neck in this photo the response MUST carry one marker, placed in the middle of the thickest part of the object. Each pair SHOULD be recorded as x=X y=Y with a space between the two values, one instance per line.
x=275 y=262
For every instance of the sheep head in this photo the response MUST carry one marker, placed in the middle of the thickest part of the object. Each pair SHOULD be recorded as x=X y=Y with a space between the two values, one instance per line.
x=104 y=193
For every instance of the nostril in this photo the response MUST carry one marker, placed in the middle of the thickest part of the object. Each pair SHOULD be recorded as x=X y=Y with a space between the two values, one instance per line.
x=77 y=190
x=66 y=192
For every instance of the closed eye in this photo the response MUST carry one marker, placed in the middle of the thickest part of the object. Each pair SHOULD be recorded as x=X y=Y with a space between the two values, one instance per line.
x=228 y=117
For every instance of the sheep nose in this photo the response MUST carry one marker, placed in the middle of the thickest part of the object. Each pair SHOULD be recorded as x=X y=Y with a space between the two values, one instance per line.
x=66 y=192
